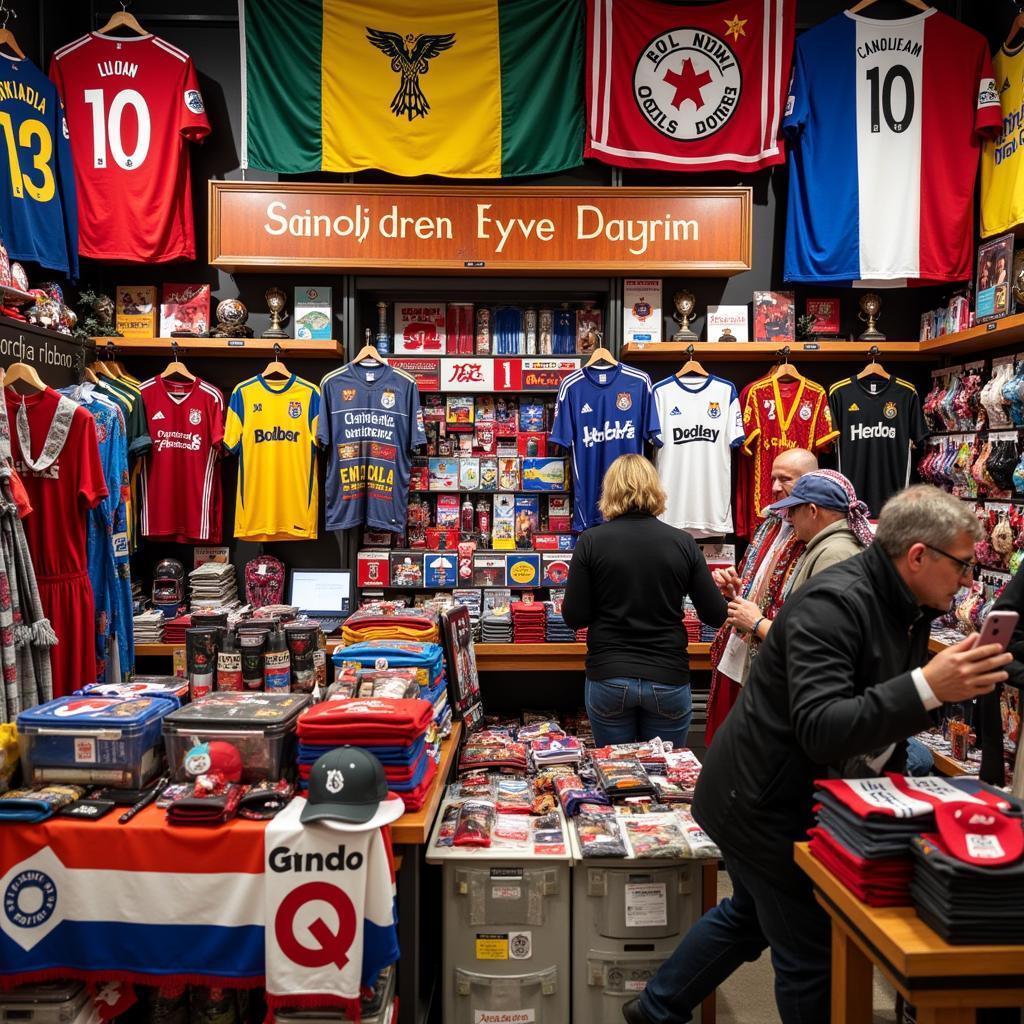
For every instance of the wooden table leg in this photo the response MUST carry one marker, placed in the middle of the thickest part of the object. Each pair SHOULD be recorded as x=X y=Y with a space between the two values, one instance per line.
x=851 y=981
x=946 y=1015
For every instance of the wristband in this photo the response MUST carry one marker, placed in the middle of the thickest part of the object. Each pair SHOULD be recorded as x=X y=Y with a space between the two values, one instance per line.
x=756 y=624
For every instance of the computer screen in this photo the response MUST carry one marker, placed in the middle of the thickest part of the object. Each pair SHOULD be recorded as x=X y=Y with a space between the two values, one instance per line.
x=326 y=593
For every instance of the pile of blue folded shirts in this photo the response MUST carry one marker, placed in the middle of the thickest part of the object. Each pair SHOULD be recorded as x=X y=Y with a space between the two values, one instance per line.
x=556 y=631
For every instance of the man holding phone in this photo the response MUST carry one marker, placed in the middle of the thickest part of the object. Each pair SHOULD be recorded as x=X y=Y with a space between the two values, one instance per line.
x=840 y=680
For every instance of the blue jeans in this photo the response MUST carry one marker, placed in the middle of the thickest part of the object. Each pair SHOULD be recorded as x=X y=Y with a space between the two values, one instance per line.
x=759 y=913
x=919 y=758
x=629 y=710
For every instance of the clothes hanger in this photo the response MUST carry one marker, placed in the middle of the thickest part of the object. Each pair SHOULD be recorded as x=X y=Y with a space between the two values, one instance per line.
x=857 y=8
x=275 y=368
x=1015 y=28
x=601 y=355
x=784 y=369
x=6 y=35
x=691 y=367
x=24 y=374
x=368 y=352
x=874 y=367
x=176 y=367
x=122 y=19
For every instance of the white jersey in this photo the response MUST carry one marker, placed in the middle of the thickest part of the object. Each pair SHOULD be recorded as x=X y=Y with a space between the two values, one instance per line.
x=701 y=422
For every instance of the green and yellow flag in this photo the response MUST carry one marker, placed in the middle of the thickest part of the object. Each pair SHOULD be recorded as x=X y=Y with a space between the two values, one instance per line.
x=455 y=88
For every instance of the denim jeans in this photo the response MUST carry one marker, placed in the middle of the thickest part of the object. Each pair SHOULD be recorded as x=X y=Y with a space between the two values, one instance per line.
x=919 y=758
x=627 y=710
x=758 y=914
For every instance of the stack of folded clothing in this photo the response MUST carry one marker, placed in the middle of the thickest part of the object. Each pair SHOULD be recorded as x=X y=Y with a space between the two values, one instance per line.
x=692 y=626
x=968 y=882
x=496 y=629
x=581 y=635
x=528 y=622
x=622 y=777
x=174 y=629
x=399 y=624
x=556 y=748
x=472 y=601
x=149 y=626
x=555 y=629
x=484 y=751
x=213 y=585
x=394 y=731
x=865 y=828
x=428 y=661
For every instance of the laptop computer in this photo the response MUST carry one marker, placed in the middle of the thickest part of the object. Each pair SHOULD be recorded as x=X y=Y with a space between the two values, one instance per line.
x=323 y=594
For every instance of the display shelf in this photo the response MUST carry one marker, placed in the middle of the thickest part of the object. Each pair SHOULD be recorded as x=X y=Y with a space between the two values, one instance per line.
x=413 y=827
x=946 y=765
x=995 y=334
x=292 y=348
x=759 y=351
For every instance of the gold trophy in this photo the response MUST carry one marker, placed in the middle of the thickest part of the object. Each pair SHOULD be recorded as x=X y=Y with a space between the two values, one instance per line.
x=684 y=302
x=275 y=301
x=870 y=304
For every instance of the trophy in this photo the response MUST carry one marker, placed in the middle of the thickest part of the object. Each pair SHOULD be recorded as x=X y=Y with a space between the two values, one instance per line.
x=231 y=318
x=275 y=301
x=382 y=340
x=870 y=304
x=684 y=302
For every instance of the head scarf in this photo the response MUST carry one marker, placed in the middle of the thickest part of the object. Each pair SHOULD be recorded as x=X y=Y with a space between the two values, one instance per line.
x=856 y=511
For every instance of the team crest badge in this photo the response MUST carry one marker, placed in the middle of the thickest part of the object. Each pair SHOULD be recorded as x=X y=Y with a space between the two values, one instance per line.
x=195 y=417
x=295 y=410
x=335 y=781
x=688 y=83
x=194 y=101
x=805 y=411
x=889 y=410
x=387 y=399
x=623 y=401
x=348 y=394
x=409 y=55
x=714 y=410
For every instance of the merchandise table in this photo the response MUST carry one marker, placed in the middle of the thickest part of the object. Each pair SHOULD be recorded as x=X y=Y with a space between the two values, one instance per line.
x=946 y=983
x=152 y=873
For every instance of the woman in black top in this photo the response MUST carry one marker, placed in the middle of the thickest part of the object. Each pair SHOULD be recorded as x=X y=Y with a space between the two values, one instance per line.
x=628 y=581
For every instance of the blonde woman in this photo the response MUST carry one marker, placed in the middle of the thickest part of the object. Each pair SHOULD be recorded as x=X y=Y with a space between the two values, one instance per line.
x=628 y=582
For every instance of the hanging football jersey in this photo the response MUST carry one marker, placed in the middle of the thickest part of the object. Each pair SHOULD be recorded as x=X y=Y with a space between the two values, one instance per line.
x=38 y=205
x=1002 y=158
x=885 y=121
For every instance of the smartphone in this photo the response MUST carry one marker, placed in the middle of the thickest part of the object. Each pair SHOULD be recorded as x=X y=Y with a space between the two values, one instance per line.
x=997 y=628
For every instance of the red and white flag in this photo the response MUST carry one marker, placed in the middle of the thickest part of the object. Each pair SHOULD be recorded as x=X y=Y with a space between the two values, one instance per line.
x=688 y=88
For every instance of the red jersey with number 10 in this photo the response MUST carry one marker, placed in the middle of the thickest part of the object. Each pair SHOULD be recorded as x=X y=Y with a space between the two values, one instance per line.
x=132 y=103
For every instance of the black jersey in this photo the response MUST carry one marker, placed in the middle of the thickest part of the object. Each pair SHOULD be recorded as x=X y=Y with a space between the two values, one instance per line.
x=878 y=422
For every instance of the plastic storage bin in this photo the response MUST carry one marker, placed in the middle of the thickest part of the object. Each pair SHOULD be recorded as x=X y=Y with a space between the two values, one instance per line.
x=113 y=741
x=378 y=1008
x=261 y=726
x=49 y=1002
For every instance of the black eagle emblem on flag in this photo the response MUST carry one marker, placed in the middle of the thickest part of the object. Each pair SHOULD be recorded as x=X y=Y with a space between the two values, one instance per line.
x=409 y=56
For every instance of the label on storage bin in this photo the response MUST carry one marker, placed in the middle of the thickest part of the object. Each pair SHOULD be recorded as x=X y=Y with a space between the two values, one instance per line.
x=506 y=892
x=646 y=906
x=504 y=1016
x=492 y=947
x=85 y=750
x=634 y=985
x=520 y=945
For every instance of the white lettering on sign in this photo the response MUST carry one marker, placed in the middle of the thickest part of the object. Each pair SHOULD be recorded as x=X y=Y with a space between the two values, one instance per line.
x=591 y=223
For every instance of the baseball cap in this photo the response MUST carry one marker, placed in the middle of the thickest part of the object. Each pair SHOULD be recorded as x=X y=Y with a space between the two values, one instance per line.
x=345 y=784
x=820 y=490
x=980 y=835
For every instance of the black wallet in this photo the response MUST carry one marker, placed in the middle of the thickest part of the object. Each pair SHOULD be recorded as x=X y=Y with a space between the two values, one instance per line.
x=87 y=810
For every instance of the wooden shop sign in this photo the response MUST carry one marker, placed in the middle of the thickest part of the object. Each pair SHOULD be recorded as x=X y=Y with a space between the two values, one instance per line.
x=484 y=230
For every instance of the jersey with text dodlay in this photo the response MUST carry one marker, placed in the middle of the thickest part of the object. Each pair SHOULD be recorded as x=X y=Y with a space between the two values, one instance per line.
x=779 y=415
x=878 y=422
x=180 y=480
x=132 y=104
x=370 y=420
x=1002 y=159
x=701 y=423
x=271 y=427
x=600 y=415
x=885 y=120
x=38 y=203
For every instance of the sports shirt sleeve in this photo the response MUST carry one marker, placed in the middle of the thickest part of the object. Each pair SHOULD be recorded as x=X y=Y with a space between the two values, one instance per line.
x=650 y=420
x=192 y=123
x=563 y=428
x=314 y=412
x=919 y=431
x=988 y=116
x=417 y=435
x=235 y=421
x=797 y=105
x=737 y=435
x=323 y=420
x=824 y=433
x=66 y=183
x=92 y=487
x=751 y=421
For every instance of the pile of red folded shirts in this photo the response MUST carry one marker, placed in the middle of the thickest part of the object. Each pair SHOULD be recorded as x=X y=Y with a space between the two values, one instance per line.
x=401 y=624
x=865 y=828
x=174 y=629
x=693 y=627
x=581 y=635
x=394 y=731
x=528 y=622
x=489 y=750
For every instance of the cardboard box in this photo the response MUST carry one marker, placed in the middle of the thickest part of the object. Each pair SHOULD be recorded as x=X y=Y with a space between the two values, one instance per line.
x=488 y=474
x=447 y=515
x=444 y=474
x=503 y=522
x=185 y=309
x=406 y=569
x=523 y=569
x=442 y=538
x=641 y=309
x=420 y=328
x=373 y=569
x=135 y=310
x=469 y=473
x=543 y=474
x=488 y=569
x=555 y=567
x=439 y=570
x=508 y=473
x=313 y=314
x=527 y=519
x=727 y=323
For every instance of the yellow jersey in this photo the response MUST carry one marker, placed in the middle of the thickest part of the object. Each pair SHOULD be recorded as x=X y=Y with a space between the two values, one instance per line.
x=271 y=427
x=1002 y=158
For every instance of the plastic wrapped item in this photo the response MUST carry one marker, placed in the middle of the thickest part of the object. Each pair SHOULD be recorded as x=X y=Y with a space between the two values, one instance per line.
x=449 y=822
x=513 y=796
x=511 y=830
x=600 y=835
x=476 y=819
x=656 y=836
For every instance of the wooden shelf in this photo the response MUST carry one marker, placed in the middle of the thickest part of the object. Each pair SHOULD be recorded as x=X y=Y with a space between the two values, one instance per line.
x=413 y=828
x=760 y=351
x=257 y=347
x=996 y=334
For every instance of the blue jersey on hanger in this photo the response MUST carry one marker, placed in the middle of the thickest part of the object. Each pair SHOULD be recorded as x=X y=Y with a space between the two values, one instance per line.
x=38 y=208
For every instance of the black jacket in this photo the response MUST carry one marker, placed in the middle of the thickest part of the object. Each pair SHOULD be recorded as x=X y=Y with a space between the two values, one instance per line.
x=831 y=682
x=628 y=582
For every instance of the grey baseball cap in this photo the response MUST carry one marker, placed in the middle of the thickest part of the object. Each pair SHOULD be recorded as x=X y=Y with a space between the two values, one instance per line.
x=345 y=784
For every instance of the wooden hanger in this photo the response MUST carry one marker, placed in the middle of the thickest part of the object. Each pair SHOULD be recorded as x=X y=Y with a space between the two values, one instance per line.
x=874 y=368
x=25 y=374
x=122 y=19
x=691 y=367
x=1015 y=29
x=601 y=355
x=6 y=35
x=110 y=364
x=275 y=368
x=784 y=369
x=176 y=367
x=857 y=8
x=368 y=352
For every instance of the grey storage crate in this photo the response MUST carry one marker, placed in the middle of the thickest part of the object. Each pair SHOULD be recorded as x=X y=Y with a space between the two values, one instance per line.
x=479 y=997
x=48 y=1002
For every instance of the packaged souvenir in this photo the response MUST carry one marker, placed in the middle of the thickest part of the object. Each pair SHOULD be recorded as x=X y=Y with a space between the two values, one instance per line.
x=625 y=777
x=474 y=824
x=656 y=836
x=599 y=835
x=511 y=830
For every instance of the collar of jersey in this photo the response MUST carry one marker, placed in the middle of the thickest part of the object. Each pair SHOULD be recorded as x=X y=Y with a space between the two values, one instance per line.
x=360 y=375
x=279 y=390
x=613 y=375
x=876 y=394
x=696 y=391
x=909 y=20
x=177 y=397
x=121 y=39
x=784 y=420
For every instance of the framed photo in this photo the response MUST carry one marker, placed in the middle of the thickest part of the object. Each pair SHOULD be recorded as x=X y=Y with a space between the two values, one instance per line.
x=774 y=316
x=826 y=316
x=993 y=295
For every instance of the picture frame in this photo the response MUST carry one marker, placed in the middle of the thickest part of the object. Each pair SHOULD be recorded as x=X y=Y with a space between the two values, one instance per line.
x=993 y=295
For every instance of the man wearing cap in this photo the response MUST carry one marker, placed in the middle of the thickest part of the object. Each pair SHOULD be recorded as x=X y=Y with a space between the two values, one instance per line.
x=840 y=677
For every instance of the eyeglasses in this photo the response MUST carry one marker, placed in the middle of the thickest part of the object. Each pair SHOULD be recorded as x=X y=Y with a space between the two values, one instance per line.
x=967 y=566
